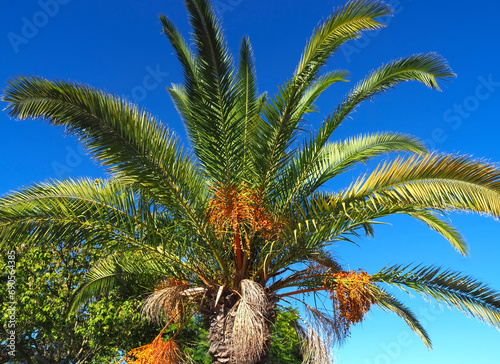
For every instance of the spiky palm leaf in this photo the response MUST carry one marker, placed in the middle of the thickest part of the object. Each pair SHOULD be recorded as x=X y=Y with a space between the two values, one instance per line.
x=451 y=288
x=219 y=231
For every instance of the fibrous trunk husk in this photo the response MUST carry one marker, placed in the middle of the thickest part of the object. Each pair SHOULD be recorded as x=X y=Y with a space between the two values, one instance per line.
x=239 y=333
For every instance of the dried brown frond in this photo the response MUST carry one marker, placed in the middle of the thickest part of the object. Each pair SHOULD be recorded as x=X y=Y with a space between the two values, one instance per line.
x=325 y=323
x=167 y=302
x=315 y=345
x=170 y=282
x=160 y=351
x=352 y=296
x=326 y=260
x=251 y=326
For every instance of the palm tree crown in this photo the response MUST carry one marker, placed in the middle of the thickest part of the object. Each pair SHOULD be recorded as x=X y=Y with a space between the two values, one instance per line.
x=244 y=221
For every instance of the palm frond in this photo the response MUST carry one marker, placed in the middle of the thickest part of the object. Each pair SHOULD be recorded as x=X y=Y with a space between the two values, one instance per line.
x=144 y=268
x=346 y=23
x=425 y=68
x=183 y=52
x=390 y=303
x=326 y=218
x=315 y=348
x=105 y=212
x=306 y=104
x=108 y=213
x=100 y=280
x=213 y=56
x=451 y=288
x=417 y=186
x=312 y=168
x=247 y=80
x=186 y=96
x=249 y=102
x=448 y=231
x=276 y=130
x=218 y=128
x=337 y=157
x=121 y=137
x=181 y=101
x=319 y=333
x=439 y=181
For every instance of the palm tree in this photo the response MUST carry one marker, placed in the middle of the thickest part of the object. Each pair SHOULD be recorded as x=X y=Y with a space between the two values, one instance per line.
x=243 y=221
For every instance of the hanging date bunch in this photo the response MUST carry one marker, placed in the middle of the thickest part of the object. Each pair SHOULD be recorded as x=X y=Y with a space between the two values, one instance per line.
x=238 y=211
x=160 y=351
x=352 y=297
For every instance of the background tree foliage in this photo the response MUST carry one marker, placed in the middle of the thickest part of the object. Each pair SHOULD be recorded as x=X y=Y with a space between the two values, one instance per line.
x=102 y=330
x=45 y=279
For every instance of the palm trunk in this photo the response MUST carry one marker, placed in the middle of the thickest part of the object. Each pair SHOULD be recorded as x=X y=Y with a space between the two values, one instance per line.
x=224 y=347
x=219 y=335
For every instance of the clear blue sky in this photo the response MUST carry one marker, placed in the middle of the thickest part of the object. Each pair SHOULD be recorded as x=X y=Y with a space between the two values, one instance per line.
x=117 y=45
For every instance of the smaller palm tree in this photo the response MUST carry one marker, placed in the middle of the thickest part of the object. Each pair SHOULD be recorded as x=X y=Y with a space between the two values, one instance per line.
x=246 y=221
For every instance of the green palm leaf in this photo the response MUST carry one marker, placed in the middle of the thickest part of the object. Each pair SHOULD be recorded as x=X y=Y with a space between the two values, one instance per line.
x=391 y=304
x=126 y=140
x=344 y=24
x=425 y=68
x=249 y=102
x=140 y=268
x=131 y=143
x=451 y=288
x=329 y=217
x=219 y=129
x=448 y=231
x=83 y=210
x=311 y=168
x=277 y=130
x=439 y=181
